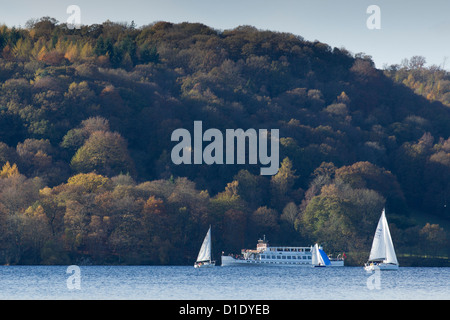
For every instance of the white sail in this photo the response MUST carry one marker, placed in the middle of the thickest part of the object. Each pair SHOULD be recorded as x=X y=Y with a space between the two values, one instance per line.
x=315 y=255
x=316 y=259
x=319 y=257
x=391 y=257
x=382 y=246
x=205 y=251
x=378 y=251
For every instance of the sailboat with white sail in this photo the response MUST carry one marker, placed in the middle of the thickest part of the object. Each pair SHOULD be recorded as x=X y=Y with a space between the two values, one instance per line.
x=382 y=254
x=204 y=255
x=319 y=257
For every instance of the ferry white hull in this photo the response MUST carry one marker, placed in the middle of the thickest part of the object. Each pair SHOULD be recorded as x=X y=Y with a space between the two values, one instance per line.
x=338 y=263
x=228 y=261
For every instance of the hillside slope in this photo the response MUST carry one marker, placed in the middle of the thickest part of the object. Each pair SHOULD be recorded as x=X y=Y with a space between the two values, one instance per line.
x=86 y=122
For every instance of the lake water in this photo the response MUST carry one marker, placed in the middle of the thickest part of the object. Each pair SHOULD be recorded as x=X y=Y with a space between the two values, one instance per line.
x=221 y=283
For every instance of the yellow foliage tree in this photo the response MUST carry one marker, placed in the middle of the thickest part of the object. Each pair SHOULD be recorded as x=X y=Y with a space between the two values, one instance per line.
x=40 y=56
x=8 y=170
x=72 y=53
x=22 y=49
x=90 y=181
x=86 y=51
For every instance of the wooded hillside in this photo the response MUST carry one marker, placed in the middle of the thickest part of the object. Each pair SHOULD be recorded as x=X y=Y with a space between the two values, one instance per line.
x=86 y=118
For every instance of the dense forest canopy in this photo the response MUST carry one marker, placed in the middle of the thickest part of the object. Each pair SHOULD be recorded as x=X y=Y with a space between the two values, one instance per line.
x=86 y=117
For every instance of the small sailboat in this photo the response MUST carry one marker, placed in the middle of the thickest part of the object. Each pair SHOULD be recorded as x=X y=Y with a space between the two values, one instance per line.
x=319 y=257
x=382 y=254
x=204 y=255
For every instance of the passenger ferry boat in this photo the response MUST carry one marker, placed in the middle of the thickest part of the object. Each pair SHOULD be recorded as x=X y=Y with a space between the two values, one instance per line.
x=275 y=256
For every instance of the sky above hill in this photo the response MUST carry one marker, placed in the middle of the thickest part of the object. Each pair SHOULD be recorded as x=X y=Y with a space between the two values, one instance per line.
x=408 y=28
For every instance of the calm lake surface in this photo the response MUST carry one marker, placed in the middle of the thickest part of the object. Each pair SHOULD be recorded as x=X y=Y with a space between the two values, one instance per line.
x=222 y=283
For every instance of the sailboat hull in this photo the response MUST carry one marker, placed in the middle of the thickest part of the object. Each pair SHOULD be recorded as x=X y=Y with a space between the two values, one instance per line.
x=381 y=266
x=211 y=264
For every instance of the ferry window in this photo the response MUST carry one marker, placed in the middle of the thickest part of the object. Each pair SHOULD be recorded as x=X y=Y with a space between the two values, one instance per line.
x=263 y=256
x=284 y=257
x=278 y=257
x=304 y=257
x=289 y=257
x=309 y=257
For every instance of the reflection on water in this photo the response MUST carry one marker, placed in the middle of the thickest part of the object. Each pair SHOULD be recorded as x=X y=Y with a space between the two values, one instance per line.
x=229 y=283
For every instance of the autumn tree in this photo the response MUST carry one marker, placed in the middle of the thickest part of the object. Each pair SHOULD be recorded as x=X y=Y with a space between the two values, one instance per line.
x=105 y=153
x=368 y=175
x=8 y=170
x=253 y=189
x=282 y=184
x=342 y=217
x=35 y=231
x=264 y=221
x=434 y=239
x=75 y=138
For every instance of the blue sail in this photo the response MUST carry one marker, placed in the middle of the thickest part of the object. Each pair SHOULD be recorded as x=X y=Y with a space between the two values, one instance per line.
x=324 y=257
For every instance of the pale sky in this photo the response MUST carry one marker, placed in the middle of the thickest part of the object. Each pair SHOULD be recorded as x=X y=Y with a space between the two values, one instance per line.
x=408 y=28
